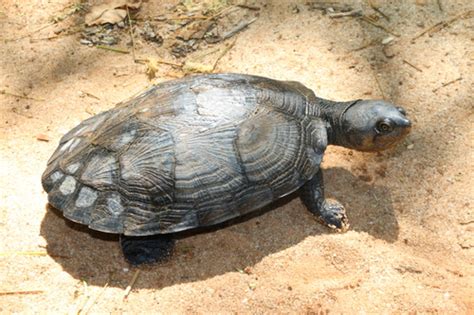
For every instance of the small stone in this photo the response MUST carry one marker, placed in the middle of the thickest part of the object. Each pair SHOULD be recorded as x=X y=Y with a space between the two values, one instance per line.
x=85 y=42
x=388 y=51
x=42 y=137
x=91 y=30
x=410 y=146
x=387 y=40
x=109 y=40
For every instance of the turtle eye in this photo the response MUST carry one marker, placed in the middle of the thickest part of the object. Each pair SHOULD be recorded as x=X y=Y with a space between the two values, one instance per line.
x=384 y=126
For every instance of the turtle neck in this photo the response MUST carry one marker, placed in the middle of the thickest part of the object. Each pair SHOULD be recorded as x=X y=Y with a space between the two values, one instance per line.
x=333 y=112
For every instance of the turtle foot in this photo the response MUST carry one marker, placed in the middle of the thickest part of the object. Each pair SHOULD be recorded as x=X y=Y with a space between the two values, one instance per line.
x=333 y=215
x=146 y=249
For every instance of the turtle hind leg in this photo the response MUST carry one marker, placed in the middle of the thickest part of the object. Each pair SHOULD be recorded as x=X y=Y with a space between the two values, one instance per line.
x=329 y=212
x=146 y=249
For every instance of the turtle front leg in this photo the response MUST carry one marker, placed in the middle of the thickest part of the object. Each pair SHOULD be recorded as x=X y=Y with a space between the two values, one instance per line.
x=330 y=212
x=146 y=249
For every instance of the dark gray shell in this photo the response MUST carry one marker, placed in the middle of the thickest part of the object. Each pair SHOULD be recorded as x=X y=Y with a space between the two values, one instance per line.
x=187 y=153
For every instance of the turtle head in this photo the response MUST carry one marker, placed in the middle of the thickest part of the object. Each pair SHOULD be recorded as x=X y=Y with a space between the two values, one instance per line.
x=373 y=125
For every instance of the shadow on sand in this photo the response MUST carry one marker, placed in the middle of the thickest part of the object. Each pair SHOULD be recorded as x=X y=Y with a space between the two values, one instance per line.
x=96 y=257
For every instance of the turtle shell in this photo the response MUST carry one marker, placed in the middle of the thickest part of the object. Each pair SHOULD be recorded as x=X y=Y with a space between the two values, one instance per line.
x=187 y=153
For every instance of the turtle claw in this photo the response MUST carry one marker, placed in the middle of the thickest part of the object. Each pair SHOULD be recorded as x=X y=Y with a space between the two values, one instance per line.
x=333 y=215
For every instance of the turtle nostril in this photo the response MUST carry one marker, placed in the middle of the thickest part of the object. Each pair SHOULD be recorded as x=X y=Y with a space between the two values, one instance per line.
x=405 y=123
x=401 y=110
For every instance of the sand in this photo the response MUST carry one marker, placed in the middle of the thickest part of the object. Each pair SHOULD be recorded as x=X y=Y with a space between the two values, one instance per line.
x=410 y=247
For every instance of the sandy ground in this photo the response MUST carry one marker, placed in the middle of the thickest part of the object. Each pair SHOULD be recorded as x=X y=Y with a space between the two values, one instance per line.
x=410 y=247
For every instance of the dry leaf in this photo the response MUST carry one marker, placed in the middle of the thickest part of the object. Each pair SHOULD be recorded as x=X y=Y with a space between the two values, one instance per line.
x=152 y=65
x=195 y=67
x=111 y=12
x=109 y=16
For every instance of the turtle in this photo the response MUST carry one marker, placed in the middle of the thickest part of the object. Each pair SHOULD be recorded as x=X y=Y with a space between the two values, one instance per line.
x=205 y=149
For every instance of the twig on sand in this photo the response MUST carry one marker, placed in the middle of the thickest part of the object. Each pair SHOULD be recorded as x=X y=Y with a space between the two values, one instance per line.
x=190 y=66
x=83 y=302
x=30 y=253
x=191 y=17
x=70 y=31
x=412 y=65
x=90 y=111
x=440 y=25
x=20 y=292
x=248 y=6
x=355 y=12
x=372 y=22
x=75 y=8
x=379 y=85
x=117 y=50
x=198 y=67
x=152 y=65
x=371 y=43
x=222 y=54
x=447 y=83
x=52 y=37
x=30 y=33
x=440 y=7
x=376 y=9
x=19 y=253
x=16 y=111
x=238 y=28
x=224 y=11
x=92 y=300
x=128 y=289
x=21 y=96
x=131 y=33
x=165 y=62
x=90 y=95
